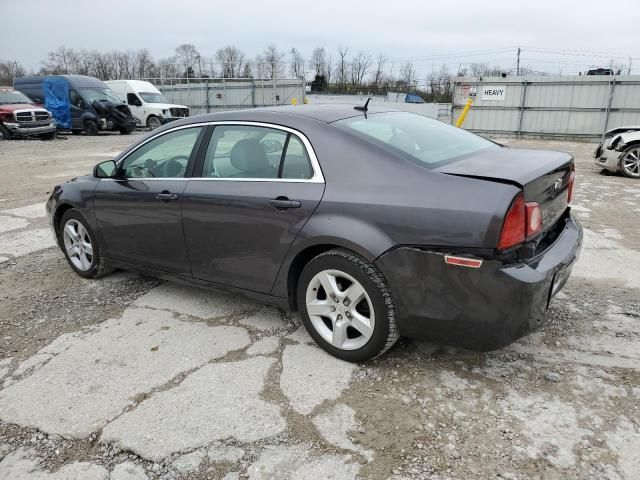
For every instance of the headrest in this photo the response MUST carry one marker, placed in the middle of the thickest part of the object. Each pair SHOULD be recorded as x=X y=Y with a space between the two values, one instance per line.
x=248 y=155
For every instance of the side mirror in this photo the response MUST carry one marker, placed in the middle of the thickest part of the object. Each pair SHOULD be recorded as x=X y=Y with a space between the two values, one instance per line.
x=107 y=169
x=272 y=146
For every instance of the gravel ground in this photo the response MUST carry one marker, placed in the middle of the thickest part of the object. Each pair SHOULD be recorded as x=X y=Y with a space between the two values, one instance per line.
x=129 y=378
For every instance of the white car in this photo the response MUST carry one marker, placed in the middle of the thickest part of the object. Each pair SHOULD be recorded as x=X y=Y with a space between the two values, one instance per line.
x=147 y=104
x=620 y=151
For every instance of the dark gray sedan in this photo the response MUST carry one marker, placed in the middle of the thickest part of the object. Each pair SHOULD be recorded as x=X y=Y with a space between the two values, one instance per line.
x=373 y=224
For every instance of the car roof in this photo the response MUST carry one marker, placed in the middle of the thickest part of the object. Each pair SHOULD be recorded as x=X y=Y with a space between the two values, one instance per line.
x=327 y=113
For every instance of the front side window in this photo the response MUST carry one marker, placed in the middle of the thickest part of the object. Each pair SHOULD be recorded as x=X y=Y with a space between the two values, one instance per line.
x=132 y=99
x=164 y=157
x=423 y=140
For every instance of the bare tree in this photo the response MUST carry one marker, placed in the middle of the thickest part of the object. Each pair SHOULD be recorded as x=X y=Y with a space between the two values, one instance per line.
x=378 y=74
x=328 y=69
x=9 y=70
x=359 y=67
x=188 y=55
x=407 y=74
x=318 y=62
x=59 y=61
x=231 y=60
x=246 y=71
x=296 y=63
x=342 y=67
x=271 y=59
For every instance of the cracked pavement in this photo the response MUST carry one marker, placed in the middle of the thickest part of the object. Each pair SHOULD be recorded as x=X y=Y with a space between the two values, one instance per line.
x=130 y=378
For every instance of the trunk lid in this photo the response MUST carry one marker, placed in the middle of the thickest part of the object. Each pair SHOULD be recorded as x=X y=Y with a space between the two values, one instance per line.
x=542 y=175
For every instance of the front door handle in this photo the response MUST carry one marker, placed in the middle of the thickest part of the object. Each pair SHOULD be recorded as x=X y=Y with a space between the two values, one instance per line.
x=166 y=196
x=283 y=203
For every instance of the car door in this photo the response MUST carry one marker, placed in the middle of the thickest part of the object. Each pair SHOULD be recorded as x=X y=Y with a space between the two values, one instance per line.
x=77 y=109
x=139 y=214
x=136 y=107
x=258 y=187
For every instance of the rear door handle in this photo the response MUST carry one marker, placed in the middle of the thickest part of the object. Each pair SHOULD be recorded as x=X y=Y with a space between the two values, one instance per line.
x=166 y=196
x=283 y=203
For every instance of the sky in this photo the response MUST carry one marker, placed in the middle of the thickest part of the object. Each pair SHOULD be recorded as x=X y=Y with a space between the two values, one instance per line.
x=560 y=36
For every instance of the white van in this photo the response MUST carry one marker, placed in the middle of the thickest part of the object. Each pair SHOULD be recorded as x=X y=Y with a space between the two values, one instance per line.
x=147 y=104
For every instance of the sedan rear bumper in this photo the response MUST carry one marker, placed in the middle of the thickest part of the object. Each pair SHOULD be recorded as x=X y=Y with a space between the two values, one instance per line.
x=484 y=308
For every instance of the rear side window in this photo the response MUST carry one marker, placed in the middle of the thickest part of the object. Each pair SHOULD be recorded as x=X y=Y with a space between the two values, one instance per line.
x=244 y=151
x=420 y=139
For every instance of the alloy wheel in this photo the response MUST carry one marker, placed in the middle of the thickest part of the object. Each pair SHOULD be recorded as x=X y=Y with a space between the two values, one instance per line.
x=77 y=244
x=340 y=309
x=631 y=162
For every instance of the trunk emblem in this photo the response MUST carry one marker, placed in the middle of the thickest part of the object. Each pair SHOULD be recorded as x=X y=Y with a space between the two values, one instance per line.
x=557 y=184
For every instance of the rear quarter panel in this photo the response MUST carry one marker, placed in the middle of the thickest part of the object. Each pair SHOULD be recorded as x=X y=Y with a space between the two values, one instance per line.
x=375 y=201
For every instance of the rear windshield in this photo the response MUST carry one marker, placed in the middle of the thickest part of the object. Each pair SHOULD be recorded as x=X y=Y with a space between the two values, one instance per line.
x=421 y=139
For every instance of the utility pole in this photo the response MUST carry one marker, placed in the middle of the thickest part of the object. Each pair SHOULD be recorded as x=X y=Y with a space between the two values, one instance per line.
x=518 y=64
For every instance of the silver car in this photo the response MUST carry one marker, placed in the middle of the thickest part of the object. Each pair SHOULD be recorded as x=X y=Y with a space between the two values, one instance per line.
x=620 y=151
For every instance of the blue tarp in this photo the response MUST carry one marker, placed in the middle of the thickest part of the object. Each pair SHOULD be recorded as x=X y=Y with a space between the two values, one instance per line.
x=56 y=100
x=413 y=99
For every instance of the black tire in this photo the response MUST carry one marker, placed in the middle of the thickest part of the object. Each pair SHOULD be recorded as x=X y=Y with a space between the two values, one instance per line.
x=90 y=127
x=630 y=166
x=98 y=267
x=126 y=130
x=385 y=330
x=153 y=122
x=48 y=136
x=4 y=133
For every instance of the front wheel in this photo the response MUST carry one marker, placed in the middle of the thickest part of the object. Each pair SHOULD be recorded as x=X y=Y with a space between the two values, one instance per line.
x=153 y=122
x=4 y=133
x=80 y=246
x=346 y=306
x=90 y=128
x=630 y=162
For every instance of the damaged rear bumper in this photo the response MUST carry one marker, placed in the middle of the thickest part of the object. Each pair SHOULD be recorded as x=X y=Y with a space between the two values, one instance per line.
x=480 y=308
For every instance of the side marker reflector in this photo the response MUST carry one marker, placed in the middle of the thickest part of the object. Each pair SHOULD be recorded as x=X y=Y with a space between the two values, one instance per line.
x=462 y=261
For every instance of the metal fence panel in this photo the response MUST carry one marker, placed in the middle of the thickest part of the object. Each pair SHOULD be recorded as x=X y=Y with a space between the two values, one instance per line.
x=210 y=95
x=574 y=106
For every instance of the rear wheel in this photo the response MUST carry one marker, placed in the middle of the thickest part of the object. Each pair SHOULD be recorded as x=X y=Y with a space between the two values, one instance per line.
x=346 y=306
x=630 y=162
x=153 y=122
x=4 y=133
x=126 y=130
x=90 y=127
x=80 y=246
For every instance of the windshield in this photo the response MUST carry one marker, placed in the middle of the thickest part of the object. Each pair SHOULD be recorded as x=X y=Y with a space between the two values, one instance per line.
x=421 y=139
x=91 y=94
x=10 y=97
x=151 y=97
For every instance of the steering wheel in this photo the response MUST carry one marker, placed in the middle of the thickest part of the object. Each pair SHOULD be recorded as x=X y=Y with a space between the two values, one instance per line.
x=174 y=167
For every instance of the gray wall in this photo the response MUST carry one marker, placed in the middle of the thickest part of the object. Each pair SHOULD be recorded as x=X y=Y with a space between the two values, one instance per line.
x=222 y=94
x=570 y=107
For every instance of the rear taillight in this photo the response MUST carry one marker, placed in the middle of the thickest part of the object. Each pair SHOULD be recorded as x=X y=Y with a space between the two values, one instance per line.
x=513 y=228
x=570 y=183
x=521 y=222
